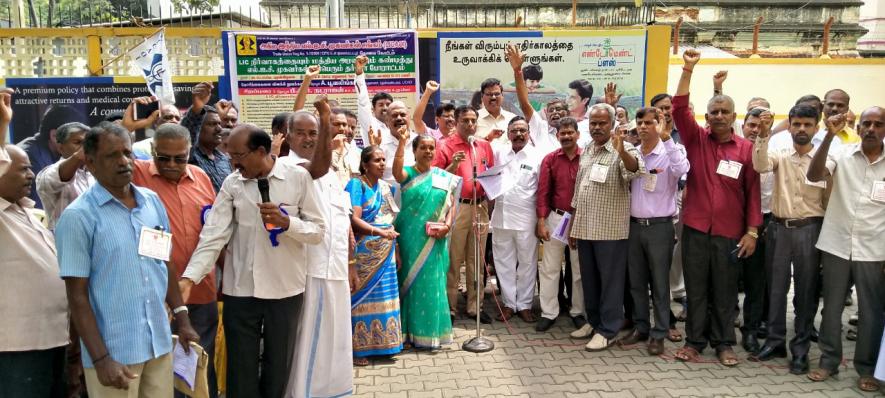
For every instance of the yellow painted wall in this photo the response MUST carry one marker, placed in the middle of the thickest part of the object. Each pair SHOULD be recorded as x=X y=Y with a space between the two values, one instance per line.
x=782 y=81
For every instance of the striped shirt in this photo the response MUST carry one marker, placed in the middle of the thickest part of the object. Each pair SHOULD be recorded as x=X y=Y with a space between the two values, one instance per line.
x=217 y=168
x=97 y=238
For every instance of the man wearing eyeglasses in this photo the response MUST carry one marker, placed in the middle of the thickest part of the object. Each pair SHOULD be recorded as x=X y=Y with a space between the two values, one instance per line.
x=184 y=190
x=492 y=120
x=205 y=153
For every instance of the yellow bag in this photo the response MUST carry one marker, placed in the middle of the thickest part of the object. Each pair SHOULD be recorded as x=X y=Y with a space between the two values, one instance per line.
x=201 y=385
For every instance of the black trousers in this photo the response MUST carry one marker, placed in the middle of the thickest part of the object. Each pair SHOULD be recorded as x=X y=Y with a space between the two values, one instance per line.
x=869 y=279
x=253 y=373
x=204 y=319
x=786 y=246
x=33 y=374
x=603 y=274
x=753 y=275
x=711 y=289
x=648 y=264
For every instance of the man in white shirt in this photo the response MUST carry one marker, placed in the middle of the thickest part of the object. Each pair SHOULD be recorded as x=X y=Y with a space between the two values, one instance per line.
x=851 y=244
x=513 y=220
x=322 y=364
x=492 y=120
x=63 y=181
x=372 y=114
x=265 y=271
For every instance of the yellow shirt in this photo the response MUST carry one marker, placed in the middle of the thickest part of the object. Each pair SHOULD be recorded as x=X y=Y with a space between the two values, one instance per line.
x=848 y=136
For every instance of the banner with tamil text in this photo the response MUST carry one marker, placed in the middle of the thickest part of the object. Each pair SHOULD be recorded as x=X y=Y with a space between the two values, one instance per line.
x=266 y=68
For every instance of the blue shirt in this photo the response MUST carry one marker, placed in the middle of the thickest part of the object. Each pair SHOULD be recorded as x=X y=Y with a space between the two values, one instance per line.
x=97 y=238
x=217 y=169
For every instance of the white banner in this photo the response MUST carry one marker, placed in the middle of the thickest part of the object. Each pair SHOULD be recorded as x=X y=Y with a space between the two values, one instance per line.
x=152 y=60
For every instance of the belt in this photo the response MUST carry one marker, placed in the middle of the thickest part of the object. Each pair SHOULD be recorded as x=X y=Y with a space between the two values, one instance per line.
x=470 y=201
x=649 y=221
x=797 y=222
x=560 y=212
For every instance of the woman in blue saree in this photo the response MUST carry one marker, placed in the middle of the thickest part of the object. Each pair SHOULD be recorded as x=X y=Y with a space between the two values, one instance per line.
x=375 y=311
x=429 y=196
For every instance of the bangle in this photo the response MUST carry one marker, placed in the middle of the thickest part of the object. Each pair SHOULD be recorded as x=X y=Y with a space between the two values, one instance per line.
x=684 y=69
x=103 y=357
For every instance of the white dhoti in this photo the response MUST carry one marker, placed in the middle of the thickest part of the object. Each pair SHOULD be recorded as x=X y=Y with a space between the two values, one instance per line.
x=323 y=365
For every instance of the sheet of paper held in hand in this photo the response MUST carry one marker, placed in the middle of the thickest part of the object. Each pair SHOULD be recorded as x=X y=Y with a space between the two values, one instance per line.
x=184 y=365
x=561 y=231
x=493 y=181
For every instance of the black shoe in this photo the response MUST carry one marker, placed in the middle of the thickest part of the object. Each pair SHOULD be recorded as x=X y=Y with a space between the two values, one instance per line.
x=750 y=343
x=768 y=353
x=634 y=337
x=485 y=318
x=544 y=324
x=814 y=335
x=851 y=335
x=799 y=365
x=762 y=331
x=579 y=321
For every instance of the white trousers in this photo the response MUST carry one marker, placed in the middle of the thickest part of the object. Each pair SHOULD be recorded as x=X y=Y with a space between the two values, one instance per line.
x=550 y=271
x=517 y=283
x=323 y=365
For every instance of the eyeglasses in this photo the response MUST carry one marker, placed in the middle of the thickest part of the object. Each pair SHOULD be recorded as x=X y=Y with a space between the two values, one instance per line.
x=518 y=131
x=238 y=156
x=166 y=159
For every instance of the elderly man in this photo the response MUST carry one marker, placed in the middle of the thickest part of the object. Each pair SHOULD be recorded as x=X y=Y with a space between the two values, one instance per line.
x=850 y=243
x=722 y=214
x=113 y=250
x=514 y=219
x=601 y=223
x=32 y=299
x=456 y=156
x=265 y=271
x=492 y=119
x=798 y=209
x=63 y=181
x=167 y=113
x=185 y=191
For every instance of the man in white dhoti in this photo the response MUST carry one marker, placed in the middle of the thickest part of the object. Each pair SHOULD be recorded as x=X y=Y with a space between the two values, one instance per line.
x=323 y=354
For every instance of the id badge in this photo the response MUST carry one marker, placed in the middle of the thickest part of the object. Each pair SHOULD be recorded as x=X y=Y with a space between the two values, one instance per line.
x=155 y=244
x=439 y=182
x=729 y=169
x=878 y=194
x=598 y=173
x=649 y=182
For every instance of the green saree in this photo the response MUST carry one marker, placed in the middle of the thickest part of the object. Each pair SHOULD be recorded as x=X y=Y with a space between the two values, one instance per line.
x=424 y=309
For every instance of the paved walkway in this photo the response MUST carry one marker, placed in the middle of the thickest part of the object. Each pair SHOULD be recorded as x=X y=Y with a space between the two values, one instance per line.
x=525 y=363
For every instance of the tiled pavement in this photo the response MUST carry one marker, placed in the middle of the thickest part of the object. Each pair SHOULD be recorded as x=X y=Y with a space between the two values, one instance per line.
x=525 y=363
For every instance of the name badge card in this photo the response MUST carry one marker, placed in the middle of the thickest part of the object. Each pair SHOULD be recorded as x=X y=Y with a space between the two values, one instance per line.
x=649 y=182
x=155 y=244
x=729 y=168
x=878 y=194
x=598 y=173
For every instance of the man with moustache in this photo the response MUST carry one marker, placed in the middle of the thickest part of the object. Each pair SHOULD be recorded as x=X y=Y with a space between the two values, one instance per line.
x=456 y=156
x=117 y=281
x=514 y=220
x=850 y=243
x=556 y=186
x=205 y=153
x=492 y=119
x=722 y=214
x=836 y=102
x=651 y=238
x=445 y=115
x=397 y=120
x=601 y=223
x=372 y=114
x=798 y=209
x=265 y=271
x=63 y=181
x=185 y=191
x=345 y=154
x=542 y=133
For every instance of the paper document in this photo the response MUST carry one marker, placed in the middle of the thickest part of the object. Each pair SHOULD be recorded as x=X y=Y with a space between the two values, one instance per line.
x=493 y=181
x=184 y=365
x=562 y=229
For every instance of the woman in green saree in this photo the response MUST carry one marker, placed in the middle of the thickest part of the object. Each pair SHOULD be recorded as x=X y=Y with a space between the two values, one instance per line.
x=428 y=207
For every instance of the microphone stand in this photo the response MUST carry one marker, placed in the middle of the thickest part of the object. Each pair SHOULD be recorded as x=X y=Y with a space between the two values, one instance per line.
x=478 y=343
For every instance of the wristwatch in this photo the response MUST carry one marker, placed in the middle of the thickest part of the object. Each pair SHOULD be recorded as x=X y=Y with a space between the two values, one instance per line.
x=754 y=235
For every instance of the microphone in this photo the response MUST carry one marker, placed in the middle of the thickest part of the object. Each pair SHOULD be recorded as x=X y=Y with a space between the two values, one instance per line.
x=471 y=140
x=264 y=189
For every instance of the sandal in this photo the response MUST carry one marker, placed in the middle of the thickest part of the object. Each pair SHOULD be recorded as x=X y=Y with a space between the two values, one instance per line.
x=868 y=384
x=821 y=374
x=361 y=362
x=687 y=354
x=674 y=335
x=727 y=357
